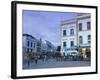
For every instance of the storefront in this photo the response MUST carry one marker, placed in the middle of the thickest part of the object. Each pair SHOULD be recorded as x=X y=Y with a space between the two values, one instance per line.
x=85 y=52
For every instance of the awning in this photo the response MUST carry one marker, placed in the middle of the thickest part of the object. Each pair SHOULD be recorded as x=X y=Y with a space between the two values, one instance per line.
x=85 y=47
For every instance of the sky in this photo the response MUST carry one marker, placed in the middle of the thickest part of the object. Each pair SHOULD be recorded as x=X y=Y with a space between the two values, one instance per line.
x=45 y=24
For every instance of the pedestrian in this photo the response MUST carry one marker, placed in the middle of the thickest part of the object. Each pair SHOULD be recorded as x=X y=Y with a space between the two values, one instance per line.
x=28 y=62
x=45 y=57
x=28 y=59
x=36 y=59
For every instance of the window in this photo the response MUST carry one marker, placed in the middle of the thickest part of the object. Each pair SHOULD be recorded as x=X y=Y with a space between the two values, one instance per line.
x=64 y=44
x=71 y=31
x=64 y=32
x=89 y=41
x=27 y=50
x=81 y=39
x=31 y=44
x=31 y=50
x=28 y=43
x=34 y=45
x=89 y=38
x=80 y=26
x=72 y=43
x=88 y=25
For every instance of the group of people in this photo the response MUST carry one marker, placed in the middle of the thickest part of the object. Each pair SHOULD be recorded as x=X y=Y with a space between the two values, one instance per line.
x=29 y=57
x=44 y=57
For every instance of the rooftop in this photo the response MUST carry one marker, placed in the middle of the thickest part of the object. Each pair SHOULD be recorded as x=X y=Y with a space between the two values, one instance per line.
x=28 y=35
x=73 y=20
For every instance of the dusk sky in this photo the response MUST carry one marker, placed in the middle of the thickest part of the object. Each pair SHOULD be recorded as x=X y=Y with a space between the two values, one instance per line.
x=45 y=25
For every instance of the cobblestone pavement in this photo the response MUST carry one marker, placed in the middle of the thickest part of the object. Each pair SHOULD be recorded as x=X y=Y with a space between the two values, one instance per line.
x=52 y=63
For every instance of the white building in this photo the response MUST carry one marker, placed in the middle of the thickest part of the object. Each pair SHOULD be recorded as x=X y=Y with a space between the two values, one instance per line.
x=68 y=35
x=29 y=44
x=33 y=45
x=84 y=34
x=76 y=33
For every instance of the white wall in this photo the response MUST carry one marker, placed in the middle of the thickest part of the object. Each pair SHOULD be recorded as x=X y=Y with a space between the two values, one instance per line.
x=85 y=32
x=84 y=23
x=5 y=40
x=69 y=38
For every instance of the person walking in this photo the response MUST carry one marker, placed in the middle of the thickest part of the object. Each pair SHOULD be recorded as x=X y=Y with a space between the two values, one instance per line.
x=36 y=59
x=28 y=59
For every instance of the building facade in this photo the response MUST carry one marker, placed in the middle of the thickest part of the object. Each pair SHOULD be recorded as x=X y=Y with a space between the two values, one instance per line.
x=68 y=35
x=29 y=44
x=33 y=45
x=76 y=33
x=50 y=46
x=84 y=35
